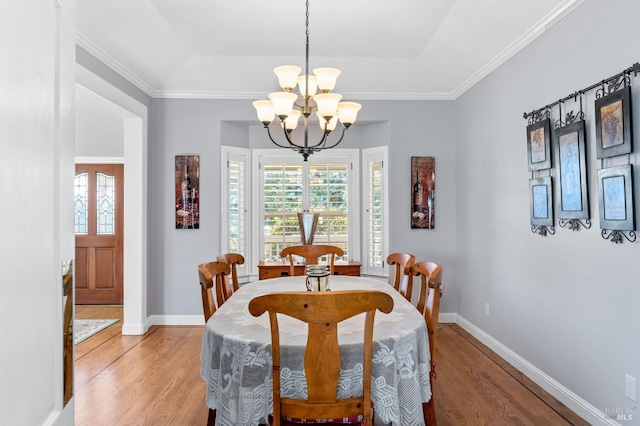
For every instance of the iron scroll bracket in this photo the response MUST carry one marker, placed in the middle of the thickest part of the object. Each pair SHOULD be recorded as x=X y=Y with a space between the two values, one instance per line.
x=574 y=224
x=615 y=236
x=543 y=230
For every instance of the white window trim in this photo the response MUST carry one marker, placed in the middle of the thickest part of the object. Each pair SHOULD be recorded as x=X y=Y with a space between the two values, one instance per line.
x=262 y=155
x=380 y=153
x=249 y=267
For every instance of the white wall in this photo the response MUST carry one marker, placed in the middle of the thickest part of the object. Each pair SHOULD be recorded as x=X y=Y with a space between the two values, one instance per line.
x=99 y=127
x=566 y=303
x=36 y=181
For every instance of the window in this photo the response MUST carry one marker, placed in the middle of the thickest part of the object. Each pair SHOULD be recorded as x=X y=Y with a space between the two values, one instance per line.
x=279 y=185
x=235 y=204
x=103 y=198
x=285 y=185
x=375 y=212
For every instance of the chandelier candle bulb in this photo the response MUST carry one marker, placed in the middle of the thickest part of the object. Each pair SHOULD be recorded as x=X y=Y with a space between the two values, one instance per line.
x=287 y=76
x=326 y=78
x=265 y=111
x=282 y=103
x=291 y=122
x=330 y=126
x=313 y=85
x=327 y=103
x=348 y=112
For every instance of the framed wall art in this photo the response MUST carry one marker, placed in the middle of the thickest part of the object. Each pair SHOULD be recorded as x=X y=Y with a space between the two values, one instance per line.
x=541 y=201
x=615 y=198
x=423 y=192
x=539 y=145
x=613 y=124
x=187 y=191
x=570 y=144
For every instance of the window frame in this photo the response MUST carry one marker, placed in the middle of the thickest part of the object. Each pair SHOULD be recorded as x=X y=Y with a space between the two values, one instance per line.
x=240 y=155
x=370 y=155
x=349 y=156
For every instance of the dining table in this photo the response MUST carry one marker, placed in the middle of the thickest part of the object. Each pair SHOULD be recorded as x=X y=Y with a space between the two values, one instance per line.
x=236 y=356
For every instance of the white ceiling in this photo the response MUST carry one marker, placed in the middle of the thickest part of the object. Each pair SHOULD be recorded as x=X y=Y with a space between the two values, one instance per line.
x=400 y=49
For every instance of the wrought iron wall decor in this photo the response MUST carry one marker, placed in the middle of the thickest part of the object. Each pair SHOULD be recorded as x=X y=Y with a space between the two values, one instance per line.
x=613 y=123
x=539 y=158
x=539 y=144
x=614 y=138
x=573 y=203
x=541 y=202
x=615 y=201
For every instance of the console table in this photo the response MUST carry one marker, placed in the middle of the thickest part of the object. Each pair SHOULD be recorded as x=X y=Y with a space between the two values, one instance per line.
x=279 y=269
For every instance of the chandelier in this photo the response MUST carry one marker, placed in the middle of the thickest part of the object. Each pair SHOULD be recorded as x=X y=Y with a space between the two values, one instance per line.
x=327 y=105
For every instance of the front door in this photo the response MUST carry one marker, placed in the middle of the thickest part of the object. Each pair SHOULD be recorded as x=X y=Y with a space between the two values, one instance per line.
x=99 y=233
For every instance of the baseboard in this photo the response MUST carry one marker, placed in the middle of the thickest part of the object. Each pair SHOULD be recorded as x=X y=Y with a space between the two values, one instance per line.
x=448 y=318
x=578 y=405
x=139 y=329
x=176 y=320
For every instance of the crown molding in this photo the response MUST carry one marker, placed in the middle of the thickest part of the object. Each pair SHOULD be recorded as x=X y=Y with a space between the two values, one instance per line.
x=351 y=96
x=523 y=41
x=116 y=66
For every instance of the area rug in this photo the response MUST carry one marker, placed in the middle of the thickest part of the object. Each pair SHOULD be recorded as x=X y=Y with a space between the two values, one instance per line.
x=85 y=328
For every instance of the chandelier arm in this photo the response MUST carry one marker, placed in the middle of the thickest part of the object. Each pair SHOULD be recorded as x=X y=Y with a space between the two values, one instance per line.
x=291 y=144
x=326 y=138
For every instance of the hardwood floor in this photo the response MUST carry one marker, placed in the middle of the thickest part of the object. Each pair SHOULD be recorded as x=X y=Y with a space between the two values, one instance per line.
x=154 y=380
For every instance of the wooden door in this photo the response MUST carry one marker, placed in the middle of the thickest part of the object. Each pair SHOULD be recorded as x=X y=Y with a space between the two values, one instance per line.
x=98 y=208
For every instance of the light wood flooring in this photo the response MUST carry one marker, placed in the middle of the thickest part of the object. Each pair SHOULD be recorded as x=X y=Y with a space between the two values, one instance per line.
x=154 y=380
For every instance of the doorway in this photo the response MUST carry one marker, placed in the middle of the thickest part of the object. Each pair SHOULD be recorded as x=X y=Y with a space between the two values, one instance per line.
x=135 y=115
x=99 y=230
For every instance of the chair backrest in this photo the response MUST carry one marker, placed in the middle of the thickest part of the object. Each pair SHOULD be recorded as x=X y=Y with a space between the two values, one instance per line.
x=209 y=273
x=311 y=253
x=429 y=305
x=402 y=281
x=430 y=273
x=232 y=260
x=322 y=311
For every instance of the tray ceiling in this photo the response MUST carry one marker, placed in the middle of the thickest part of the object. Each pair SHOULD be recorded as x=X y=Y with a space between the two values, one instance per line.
x=409 y=49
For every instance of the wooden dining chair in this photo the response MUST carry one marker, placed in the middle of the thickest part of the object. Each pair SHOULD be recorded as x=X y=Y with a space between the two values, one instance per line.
x=67 y=333
x=402 y=281
x=208 y=273
x=322 y=311
x=430 y=274
x=311 y=254
x=233 y=259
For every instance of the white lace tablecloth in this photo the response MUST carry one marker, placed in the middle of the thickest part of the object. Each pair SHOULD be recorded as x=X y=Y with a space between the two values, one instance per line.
x=236 y=356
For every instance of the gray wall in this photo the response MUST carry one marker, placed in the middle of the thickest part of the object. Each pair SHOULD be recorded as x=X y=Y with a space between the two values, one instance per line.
x=567 y=303
x=202 y=126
